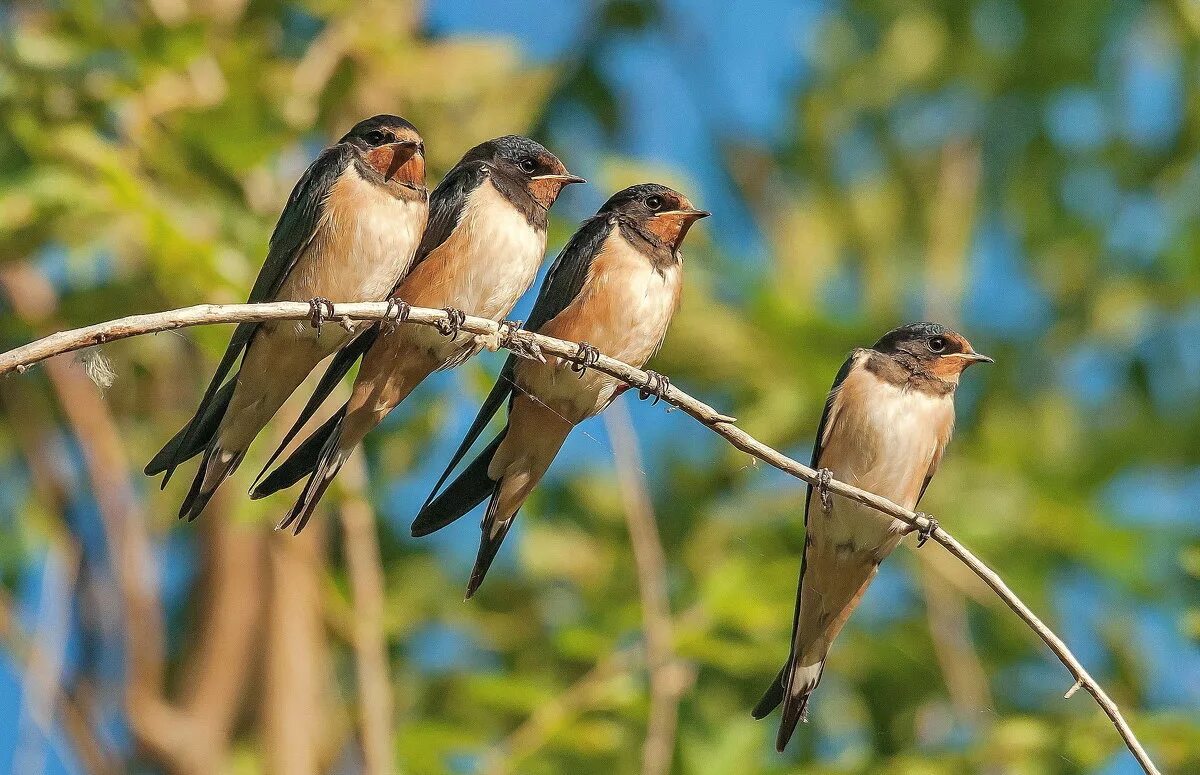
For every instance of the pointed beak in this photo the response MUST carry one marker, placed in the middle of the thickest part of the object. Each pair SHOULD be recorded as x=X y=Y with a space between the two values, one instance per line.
x=687 y=216
x=563 y=180
x=974 y=357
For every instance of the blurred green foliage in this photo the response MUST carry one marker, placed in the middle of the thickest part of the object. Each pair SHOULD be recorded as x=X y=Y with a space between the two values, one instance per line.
x=146 y=149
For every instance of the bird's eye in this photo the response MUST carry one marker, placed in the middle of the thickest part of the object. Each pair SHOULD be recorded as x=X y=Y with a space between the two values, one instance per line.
x=528 y=165
x=937 y=344
x=376 y=137
x=655 y=203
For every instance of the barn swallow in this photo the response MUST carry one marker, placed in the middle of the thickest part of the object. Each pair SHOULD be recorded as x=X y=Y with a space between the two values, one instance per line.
x=885 y=426
x=348 y=232
x=481 y=251
x=616 y=284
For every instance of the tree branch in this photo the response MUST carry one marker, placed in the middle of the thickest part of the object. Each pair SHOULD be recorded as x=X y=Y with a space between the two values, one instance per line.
x=528 y=344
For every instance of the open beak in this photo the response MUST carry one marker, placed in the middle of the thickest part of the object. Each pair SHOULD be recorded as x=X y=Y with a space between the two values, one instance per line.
x=562 y=180
x=687 y=216
x=406 y=163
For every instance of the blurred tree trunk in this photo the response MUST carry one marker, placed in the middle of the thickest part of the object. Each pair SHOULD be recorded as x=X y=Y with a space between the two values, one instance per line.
x=370 y=642
x=192 y=735
x=295 y=695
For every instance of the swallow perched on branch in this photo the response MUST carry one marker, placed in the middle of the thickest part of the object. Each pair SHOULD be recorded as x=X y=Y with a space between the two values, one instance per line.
x=349 y=232
x=885 y=426
x=616 y=284
x=481 y=251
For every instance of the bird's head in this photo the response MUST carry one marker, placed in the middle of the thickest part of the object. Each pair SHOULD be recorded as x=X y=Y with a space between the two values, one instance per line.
x=661 y=214
x=527 y=164
x=392 y=147
x=930 y=349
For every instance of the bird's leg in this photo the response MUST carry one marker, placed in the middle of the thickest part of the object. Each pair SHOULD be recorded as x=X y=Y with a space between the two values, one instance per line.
x=586 y=356
x=453 y=322
x=824 y=477
x=924 y=533
x=657 y=385
x=320 y=309
x=397 y=312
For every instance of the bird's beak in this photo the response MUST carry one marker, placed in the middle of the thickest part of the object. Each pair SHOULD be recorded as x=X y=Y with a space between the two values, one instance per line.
x=546 y=188
x=403 y=162
x=561 y=180
x=971 y=357
x=671 y=226
x=689 y=215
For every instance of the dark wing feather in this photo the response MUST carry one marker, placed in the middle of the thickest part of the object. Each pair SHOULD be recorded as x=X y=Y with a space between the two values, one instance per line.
x=562 y=284
x=446 y=205
x=775 y=693
x=339 y=367
x=471 y=488
x=298 y=224
x=823 y=425
x=568 y=272
x=295 y=230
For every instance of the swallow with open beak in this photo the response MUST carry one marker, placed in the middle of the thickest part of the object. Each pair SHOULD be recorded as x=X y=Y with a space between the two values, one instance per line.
x=615 y=285
x=349 y=232
x=481 y=251
x=885 y=426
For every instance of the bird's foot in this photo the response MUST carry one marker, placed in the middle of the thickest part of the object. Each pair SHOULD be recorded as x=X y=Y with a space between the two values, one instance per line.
x=657 y=385
x=320 y=309
x=924 y=533
x=396 y=313
x=453 y=322
x=586 y=357
x=509 y=330
x=824 y=477
x=514 y=336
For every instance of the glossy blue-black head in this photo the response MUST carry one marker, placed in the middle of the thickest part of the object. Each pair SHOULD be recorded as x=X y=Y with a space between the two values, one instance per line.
x=941 y=350
x=392 y=147
x=659 y=212
x=526 y=163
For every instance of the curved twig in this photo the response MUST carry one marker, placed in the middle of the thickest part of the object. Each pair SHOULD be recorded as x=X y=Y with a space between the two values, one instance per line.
x=522 y=342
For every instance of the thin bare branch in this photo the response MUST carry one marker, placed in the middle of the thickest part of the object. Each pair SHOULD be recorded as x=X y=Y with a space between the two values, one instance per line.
x=531 y=345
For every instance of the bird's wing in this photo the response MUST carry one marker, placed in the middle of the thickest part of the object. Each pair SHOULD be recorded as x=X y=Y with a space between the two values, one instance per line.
x=293 y=234
x=825 y=426
x=446 y=205
x=933 y=467
x=562 y=284
x=568 y=272
x=774 y=694
x=339 y=367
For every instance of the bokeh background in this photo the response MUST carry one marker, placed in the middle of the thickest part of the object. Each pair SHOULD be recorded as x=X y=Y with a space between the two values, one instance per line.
x=1027 y=171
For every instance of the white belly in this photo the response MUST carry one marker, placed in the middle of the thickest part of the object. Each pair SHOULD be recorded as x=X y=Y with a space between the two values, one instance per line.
x=886 y=445
x=365 y=242
x=503 y=252
x=623 y=310
x=483 y=268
